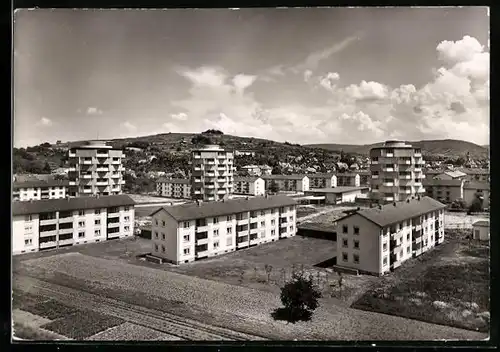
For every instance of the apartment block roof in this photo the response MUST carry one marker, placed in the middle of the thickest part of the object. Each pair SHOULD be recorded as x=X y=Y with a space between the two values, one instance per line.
x=347 y=174
x=66 y=204
x=390 y=214
x=336 y=190
x=283 y=177
x=482 y=223
x=172 y=180
x=455 y=173
x=441 y=182
x=187 y=212
x=321 y=175
x=41 y=184
x=477 y=185
x=475 y=171
x=246 y=178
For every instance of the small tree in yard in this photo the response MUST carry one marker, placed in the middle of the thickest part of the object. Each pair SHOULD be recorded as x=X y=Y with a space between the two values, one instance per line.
x=476 y=206
x=300 y=298
x=268 y=269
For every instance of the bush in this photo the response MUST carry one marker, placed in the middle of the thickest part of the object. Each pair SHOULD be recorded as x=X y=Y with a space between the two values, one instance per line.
x=299 y=297
x=476 y=206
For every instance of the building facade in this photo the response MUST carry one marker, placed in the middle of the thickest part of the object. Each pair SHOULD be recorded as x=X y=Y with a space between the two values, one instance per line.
x=478 y=175
x=378 y=240
x=481 y=230
x=322 y=181
x=338 y=195
x=212 y=173
x=348 y=179
x=444 y=190
x=174 y=188
x=54 y=223
x=396 y=172
x=95 y=169
x=250 y=170
x=184 y=233
x=473 y=190
x=254 y=186
x=38 y=190
x=287 y=183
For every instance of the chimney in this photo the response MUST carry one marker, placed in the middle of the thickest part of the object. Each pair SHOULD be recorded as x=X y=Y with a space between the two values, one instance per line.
x=394 y=203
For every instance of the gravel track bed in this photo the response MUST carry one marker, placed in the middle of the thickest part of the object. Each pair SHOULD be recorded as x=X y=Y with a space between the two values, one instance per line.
x=249 y=307
x=132 y=332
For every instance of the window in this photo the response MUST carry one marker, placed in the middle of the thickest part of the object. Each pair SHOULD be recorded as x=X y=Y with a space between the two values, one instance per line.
x=385 y=261
x=408 y=250
x=127 y=208
x=156 y=248
x=344 y=257
x=216 y=220
x=229 y=218
x=97 y=232
x=81 y=223
x=156 y=234
x=385 y=247
x=398 y=227
x=407 y=236
x=186 y=224
x=163 y=248
x=344 y=229
x=262 y=223
x=345 y=243
x=156 y=222
x=229 y=230
x=229 y=241
x=356 y=244
x=262 y=234
x=162 y=236
x=126 y=228
x=216 y=232
x=273 y=232
x=291 y=218
x=356 y=230
x=273 y=222
x=81 y=234
x=291 y=228
x=355 y=258
x=186 y=238
x=81 y=212
x=97 y=222
x=28 y=218
x=28 y=242
x=216 y=245
x=262 y=212
x=186 y=251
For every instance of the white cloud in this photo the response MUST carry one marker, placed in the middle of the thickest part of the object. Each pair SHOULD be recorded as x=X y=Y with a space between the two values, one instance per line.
x=204 y=76
x=129 y=127
x=242 y=81
x=179 y=117
x=329 y=82
x=367 y=90
x=364 y=123
x=44 y=121
x=307 y=75
x=459 y=51
x=94 y=111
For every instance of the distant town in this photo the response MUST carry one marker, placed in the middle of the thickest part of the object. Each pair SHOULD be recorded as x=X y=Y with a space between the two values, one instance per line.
x=211 y=209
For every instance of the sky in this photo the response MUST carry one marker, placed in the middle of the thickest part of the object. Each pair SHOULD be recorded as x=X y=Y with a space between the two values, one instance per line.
x=317 y=75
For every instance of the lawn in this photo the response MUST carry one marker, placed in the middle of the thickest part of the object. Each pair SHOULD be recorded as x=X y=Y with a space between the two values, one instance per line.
x=448 y=285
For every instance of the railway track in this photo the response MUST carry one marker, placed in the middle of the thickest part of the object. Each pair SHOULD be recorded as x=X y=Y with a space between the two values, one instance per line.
x=181 y=327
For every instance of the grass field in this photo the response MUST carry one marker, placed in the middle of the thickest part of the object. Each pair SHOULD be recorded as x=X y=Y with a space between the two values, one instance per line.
x=455 y=220
x=448 y=285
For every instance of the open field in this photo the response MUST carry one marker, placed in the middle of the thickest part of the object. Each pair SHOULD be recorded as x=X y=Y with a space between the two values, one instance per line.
x=447 y=285
x=143 y=198
x=139 y=293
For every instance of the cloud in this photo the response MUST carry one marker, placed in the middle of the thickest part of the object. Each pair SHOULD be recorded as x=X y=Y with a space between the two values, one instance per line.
x=367 y=91
x=179 y=117
x=94 y=111
x=44 y=121
x=129 y=127
x=329 y=82
x=307 y=75
x=242 y=81
x=363 y=123
x=204 y=76
x=460 y=51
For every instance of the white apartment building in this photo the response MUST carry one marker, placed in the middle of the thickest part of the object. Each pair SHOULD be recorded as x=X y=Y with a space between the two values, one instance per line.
x=251 y=170
x=174 y=188
x=396 y=172
x=348 y=179
x=287 y=183
x=378 y=240
x=254 y=186
x=322 y=180
x=38 y=190
x=184 y=233
x=212 y=174
x=95 y=168
x=54 y=223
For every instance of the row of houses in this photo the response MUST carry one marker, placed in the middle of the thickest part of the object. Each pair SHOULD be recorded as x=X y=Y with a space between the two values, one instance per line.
x=450 y=190
x=53 y=223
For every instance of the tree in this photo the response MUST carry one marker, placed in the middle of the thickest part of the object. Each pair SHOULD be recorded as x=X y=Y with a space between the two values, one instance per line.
x=476 y=205
x=201 y=139
x=273 y=187
x=46 y=168
x=300 y=297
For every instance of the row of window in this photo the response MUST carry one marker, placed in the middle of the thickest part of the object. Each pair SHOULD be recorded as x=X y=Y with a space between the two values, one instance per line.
x=345 y=244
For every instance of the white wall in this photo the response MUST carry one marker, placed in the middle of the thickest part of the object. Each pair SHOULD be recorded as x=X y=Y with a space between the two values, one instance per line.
x=259 y=187
x=23 y=229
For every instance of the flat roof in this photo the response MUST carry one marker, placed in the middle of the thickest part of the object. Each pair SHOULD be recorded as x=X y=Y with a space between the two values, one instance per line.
x=477 y=185
x=67 y=204
x=172 y=180
x=342 y=189
x=482 y=223
x=283 y=177
x=246 y=178
x=41 y=183
x=186 y=212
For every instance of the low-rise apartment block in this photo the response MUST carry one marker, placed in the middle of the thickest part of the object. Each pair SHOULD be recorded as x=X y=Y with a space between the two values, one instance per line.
x=287 y=183
x=477 y=189
x=254 y=186
x=348 y=179
x=380 y=239
x=328 y=180
x=174 y=188
x=479 y=175
x=444 y=190
x=250 y=170
x=53 y=223
x=337 y=195
x=188 y=232
x=39 y=189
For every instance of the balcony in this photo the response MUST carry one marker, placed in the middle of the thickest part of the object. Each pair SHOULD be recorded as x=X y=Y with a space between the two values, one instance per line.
x=202 y=254
x=116 y=175
x=210 y=174
x=87 y=190
x=48 y=233
x=388 y=169
x=417 y=234
x=202 y=228
x=113 y=225
x=243 y=244
x=242 y=221
x=102 y=169
x=87 y=162
x=201 y=240
x=242 y=233
x=404 y=162
x=254 y=231
x=101 y=183
x=389 y=199
x=198 y=168
x=65 y=231
x=66 y=242
x=48 y=222
x=374 y=177
x=405 y=177
x=46 y=245
x=197 y=180
x=72 y=155
x=72 y=169
x=209 y=162
x=113 y=214
x=72 y=183
x=374 y=162
x=417 y=154
x=102 y=155
x=388 y=184
x=417 y=169
x=210 y=186
x=87 y=177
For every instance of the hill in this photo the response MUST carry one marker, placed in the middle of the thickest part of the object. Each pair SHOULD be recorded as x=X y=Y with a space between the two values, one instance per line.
x=445 y=147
